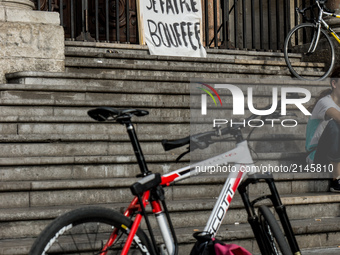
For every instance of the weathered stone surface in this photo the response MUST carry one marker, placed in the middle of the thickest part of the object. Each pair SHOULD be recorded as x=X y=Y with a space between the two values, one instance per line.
x=30 y=40
x=39 y=17
x=18 y=4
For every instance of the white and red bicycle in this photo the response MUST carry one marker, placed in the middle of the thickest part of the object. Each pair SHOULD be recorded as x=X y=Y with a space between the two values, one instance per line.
x=98 y=230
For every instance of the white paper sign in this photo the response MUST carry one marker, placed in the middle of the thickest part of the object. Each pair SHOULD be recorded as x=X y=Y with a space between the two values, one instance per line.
x=173 y=27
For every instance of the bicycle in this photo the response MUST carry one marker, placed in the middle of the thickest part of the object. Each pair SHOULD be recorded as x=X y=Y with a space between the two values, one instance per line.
x=98 y=230
x=308 y=45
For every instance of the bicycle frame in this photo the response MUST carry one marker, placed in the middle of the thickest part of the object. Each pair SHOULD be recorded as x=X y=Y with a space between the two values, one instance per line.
x=243 y=165
x=320 y=21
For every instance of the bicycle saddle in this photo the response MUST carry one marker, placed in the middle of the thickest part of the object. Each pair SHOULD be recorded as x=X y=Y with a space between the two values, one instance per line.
x=106 y=113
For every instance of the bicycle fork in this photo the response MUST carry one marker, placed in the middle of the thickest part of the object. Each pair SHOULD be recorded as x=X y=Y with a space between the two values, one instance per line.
x=279 y=208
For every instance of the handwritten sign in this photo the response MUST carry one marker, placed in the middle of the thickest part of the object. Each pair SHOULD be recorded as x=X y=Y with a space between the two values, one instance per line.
x=172 y=27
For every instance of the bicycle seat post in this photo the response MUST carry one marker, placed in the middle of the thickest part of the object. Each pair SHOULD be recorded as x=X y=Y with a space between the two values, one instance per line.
x=137 y=148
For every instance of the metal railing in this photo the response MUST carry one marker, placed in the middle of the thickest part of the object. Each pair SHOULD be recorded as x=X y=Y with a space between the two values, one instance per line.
x=229 y=24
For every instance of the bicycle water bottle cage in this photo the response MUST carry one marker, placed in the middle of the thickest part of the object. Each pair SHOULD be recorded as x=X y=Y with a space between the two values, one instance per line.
x=108 y=113
x=147 y=183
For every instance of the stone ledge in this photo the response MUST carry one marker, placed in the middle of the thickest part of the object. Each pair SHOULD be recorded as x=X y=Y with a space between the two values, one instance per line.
x=107 y=76
x=30 y=16
x=18 y=4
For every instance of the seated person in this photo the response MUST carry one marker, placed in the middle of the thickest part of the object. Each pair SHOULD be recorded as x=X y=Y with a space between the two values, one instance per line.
x=323 y=130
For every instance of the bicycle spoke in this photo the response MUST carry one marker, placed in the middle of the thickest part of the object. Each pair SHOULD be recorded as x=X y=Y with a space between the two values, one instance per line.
x=75 y=244
x=88 y=238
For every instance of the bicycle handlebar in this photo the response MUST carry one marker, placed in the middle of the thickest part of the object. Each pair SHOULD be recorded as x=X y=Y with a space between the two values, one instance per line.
x=320 y=3
x=203 y=140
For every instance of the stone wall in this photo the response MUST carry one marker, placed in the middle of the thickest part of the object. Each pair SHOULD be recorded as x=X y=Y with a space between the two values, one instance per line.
x=29 y=40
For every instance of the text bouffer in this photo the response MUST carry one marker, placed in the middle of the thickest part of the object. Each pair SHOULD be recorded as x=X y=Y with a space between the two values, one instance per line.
x=173 y=27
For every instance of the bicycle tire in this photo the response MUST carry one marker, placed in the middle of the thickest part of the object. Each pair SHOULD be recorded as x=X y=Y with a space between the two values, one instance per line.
x=273 y=233
x=308 y=66
x=85 y=231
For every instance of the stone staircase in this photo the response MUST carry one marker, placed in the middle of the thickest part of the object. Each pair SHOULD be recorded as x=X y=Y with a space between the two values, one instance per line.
x=54 y=158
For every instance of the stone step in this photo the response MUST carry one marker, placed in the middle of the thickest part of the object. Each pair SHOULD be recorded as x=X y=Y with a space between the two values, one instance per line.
x=87 y=167
x=317 y=205
x=332 y=250
x=191 y=73
x=114 y=131
x=284 y=158
x=212 y=56
x=231 y=63
x=106 y=147
x=74 y=178
x=121 y=61
x=318 y=221
x=310 y=233
x=141 y=84
x=113 y=48
x=310 y=241
x=182 y=206
x=68 y=114
x=146 y=87
x=17 y=194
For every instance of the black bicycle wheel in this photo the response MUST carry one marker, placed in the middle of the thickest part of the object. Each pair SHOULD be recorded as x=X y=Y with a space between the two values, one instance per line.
x=301 y=61
x=272 y=232
x=86 y=231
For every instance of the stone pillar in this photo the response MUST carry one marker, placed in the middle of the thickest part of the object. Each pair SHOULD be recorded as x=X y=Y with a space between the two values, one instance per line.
x=29 y=40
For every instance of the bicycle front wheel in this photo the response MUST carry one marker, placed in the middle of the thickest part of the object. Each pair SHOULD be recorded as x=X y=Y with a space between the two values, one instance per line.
x=308 y=56
x=86 y=231
x=275 y=239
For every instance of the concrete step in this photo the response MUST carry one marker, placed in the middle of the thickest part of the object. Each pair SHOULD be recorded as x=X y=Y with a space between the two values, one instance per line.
x=106 y=147
x=147 y=62
x=191 y=73
x=53 y=192
x=19 y=113
x=142 y=84
x=309 y=241
x=322 y=228
x=310 y=233
x=317 y=205
x=80 y=177
x=264 y=90
x=281 y=158
x=119 y=49
x=131 y=58
x=114 y=131
x=333 y=250
x=78 y=168
x=120 y=61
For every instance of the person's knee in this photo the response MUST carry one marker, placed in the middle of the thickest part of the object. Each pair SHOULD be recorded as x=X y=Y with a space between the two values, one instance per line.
x=333 y=129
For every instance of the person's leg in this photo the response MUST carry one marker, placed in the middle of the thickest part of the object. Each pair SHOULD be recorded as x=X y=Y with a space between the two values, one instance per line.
x=335 y=184
x=328 y=152
x=336 y=170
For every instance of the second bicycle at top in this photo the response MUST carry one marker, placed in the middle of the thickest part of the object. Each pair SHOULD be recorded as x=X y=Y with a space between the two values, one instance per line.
x=309 y=49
